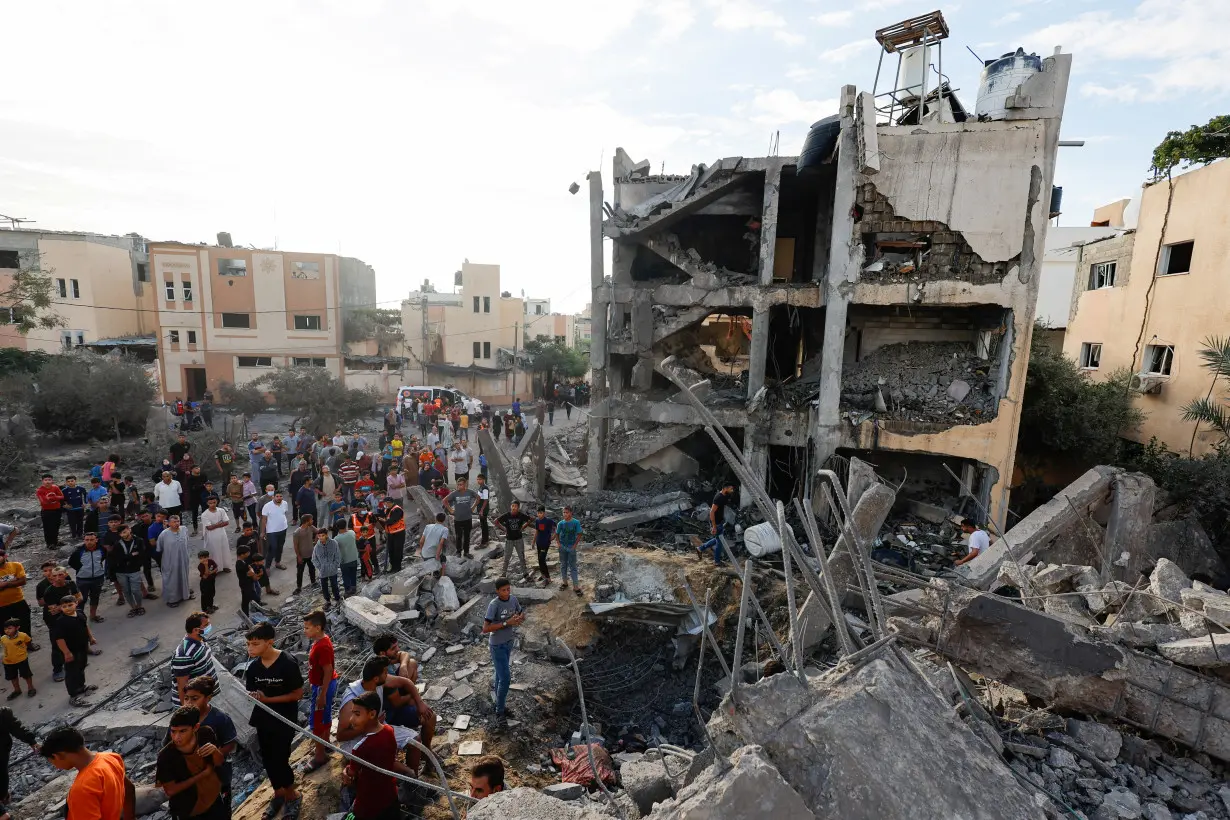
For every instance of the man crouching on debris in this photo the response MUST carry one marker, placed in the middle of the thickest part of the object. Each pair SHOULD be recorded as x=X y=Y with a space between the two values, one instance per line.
x=504 y=615
x=979 y=540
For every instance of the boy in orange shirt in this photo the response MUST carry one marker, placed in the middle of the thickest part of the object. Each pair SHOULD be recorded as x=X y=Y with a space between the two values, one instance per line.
x=16 y=658
x=102 y=790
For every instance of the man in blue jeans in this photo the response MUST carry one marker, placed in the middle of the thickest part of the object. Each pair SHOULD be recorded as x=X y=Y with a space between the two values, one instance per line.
x=568 y=536
x=504 y=615
x=718 y=523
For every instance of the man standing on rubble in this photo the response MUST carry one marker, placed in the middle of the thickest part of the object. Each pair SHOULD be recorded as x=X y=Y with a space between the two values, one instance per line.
x=511 y=524
x=718 y=525
x=979 y=540
x=504 y=614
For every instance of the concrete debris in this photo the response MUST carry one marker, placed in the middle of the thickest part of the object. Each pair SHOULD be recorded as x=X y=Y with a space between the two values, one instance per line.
x=751 y=787
x=370 y=617
x=1102 y=740
x=565 y=791
x=631 y=519
x=529 y=804
x=646 y=783
x=874 y=743
x=923 y=381
x=1168 y=581
x=1073 y=668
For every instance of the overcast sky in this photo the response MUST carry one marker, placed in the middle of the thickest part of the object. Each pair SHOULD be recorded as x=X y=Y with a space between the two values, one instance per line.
x=418 y=134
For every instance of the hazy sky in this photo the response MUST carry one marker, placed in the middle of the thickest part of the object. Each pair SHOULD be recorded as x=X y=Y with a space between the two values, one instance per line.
x=420 y=133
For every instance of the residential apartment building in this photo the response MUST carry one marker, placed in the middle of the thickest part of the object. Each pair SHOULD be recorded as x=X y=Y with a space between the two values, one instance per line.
x=465 y=328
x=98 y=285
x=1145 y=301
x=1064 y=253
x=226 y=315
x=881 y=289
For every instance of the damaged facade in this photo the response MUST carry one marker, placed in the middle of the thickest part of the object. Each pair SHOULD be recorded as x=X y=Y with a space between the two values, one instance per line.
x=880 y=300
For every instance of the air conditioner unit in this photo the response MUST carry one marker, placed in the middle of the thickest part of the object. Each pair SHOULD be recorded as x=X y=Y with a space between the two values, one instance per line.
x=1146 y=383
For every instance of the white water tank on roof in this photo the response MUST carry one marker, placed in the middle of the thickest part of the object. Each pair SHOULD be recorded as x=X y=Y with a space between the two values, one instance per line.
x=1000 y=80
x=912 y=73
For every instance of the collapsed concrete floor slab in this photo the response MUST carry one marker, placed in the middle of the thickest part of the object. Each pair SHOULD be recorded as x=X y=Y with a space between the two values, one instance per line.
x=1070 y=667
x=875 y=742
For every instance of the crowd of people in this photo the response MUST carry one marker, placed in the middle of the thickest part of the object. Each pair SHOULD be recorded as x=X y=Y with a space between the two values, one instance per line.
x=340 y=503
x=383 y=725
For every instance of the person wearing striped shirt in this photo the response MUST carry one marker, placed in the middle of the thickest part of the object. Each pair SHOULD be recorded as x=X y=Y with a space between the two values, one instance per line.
x=192 y=657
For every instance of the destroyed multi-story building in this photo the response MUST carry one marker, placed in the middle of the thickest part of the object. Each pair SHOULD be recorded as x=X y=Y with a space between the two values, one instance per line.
x=874 y=296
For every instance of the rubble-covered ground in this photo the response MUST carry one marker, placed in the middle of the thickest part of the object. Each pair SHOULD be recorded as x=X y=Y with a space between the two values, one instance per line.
x=923 y=381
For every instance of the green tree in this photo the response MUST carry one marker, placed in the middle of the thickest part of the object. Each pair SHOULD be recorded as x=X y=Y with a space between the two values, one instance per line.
x=552 y=360
x=1207 y=411
x=248 y=399
x=1198 y=145
x=317 y=400
x=26 y=297
x=1065 y=413
x=82 y=395
x=381 y=324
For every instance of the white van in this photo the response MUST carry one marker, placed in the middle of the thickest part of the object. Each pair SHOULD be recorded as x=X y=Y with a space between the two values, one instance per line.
x=447 y=396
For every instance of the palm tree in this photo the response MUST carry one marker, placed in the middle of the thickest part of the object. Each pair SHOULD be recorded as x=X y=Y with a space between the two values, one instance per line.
x=1216 y=355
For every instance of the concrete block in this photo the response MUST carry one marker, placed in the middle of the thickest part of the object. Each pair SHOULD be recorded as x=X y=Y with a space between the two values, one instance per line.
x=371 y=618
x=814 y=620
x=1187 y=544
x=846 y=745
x=1103 y=741
x=565 y=791
x=646 y=783
x=1089 y=492
x=453 y=621
x=461 y=691
x=631 y=519
x=1208 y=651
x=434 y=692
x=524 y=803
x=397 y=603
x=149 y=799
x=1131 y=514
x=104 y=726
x=409 y=615
x=446 y=594
x=1167 y=581
x=465 y=672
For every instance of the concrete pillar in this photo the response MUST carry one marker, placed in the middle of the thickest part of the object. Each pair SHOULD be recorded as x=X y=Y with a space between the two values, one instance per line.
x=756 y=450
x=758 y=358
x=1127 y=529
x=768 y=221
x=642 y=338
x=598 y=356
x=862 y=476
x=845 y=262
x=865 y=521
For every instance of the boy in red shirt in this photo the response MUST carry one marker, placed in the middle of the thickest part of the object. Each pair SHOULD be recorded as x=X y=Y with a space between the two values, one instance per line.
x=50 y=503
x=375 y=793
x=322 y=676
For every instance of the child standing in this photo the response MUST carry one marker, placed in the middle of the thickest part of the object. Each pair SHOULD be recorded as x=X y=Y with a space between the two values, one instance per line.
x=17 y=658
x=322 y=676
x=208 y=570
x=249 y=583
x=72 y=634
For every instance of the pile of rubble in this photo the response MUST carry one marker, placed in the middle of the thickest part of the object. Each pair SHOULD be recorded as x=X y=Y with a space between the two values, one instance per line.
x=922 y=381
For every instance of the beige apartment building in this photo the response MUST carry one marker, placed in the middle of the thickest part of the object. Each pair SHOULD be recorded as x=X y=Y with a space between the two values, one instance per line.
x=228 y=315
x=1145 y=301
x=98 y=286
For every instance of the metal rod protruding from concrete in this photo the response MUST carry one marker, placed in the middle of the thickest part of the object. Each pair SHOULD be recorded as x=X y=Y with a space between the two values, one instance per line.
x=742 y=627
x=593 y=766
x=795 y=639
x=829 y=590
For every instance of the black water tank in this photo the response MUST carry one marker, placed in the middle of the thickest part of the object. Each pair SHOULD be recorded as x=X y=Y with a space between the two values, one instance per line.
x=819 y=144
x=1056 y=200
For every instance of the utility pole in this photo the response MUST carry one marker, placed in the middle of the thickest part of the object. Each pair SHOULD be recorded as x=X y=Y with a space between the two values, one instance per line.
x=423 y=348
x=516 y=352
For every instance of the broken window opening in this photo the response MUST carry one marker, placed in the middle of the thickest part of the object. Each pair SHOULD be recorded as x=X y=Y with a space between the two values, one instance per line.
x=716 y=347
x=1091 y=355
x=10 y=259
x=1102 y=275
x=1158 y=359
x=729 y=241
x=1177 y=258
x=943 y=365
x=804 y=223
x=796 y=337
x=654 y=453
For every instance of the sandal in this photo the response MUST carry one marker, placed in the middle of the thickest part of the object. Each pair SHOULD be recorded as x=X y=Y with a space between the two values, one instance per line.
x=173 y=605
x=149 y=596
x=292 y=809
x=315 y=765
x=97 y=619
x=132 y=613
x=140 y=610
x=14 y=695
x=94 y=651
x=275 y=806
x=31 y=693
